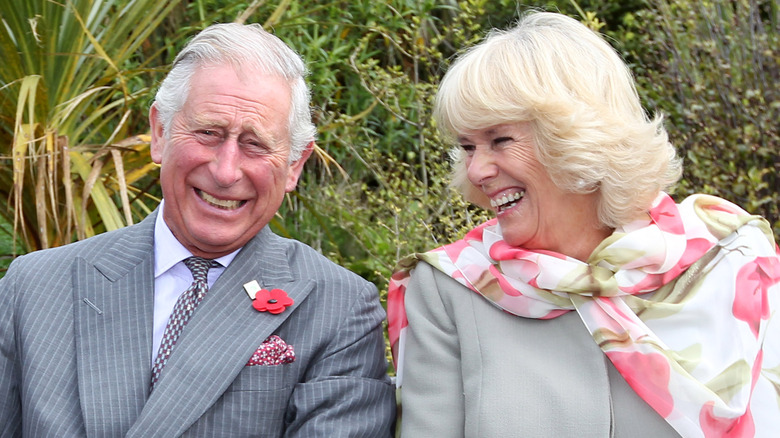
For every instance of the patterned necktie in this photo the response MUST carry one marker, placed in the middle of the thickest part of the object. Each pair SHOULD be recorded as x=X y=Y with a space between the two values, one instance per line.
x=182 y=311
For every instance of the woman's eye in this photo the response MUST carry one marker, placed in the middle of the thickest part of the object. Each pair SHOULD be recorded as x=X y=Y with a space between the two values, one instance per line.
x=468 y=148
x=502 y=140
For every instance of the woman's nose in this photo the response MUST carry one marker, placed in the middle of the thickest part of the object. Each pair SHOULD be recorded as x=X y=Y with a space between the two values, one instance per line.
x=481 y=167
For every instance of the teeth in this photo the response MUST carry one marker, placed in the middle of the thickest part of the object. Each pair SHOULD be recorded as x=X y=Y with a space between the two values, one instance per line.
x=495 y=203
x=219 y=203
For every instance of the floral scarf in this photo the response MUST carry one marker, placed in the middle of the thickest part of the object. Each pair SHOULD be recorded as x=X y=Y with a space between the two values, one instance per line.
x=683 y=305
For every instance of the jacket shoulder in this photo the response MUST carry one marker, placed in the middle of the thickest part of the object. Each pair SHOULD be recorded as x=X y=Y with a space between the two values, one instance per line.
x=121 y=244
x=305 y=261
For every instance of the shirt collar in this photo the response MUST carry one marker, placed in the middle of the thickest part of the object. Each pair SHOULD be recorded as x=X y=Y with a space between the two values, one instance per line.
x=168 y=251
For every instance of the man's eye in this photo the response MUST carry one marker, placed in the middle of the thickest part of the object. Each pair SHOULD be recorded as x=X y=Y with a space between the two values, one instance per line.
x=255 y=148
x=205 y=132
x=209 y=137
x=250 y=142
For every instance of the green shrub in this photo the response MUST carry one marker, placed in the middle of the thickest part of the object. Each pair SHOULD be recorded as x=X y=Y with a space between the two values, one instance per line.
x=713 y=68
x=377 y=187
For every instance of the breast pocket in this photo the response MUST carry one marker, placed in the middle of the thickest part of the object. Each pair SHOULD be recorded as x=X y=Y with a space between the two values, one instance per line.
x=254 y=405
x=264 y=378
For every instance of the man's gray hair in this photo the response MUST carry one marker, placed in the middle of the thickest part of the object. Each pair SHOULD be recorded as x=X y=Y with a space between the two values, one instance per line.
x=240 y=46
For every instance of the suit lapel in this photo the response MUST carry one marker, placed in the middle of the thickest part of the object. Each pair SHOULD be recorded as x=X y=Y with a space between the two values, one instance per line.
x=114 y=304
x=219 y=338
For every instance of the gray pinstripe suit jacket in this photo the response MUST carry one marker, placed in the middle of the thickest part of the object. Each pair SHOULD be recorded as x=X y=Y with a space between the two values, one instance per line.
x=76 y=346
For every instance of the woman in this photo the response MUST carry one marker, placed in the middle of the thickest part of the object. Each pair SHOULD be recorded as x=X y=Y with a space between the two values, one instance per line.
x=592 y=305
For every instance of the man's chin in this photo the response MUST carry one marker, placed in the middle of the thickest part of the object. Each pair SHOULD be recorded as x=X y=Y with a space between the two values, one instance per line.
x=210 y=246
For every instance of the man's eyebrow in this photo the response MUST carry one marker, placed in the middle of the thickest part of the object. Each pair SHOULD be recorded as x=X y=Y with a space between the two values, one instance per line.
x=265 y=136
x=206 y=119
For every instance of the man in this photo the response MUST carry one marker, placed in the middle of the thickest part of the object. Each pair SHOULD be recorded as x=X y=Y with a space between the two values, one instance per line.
x=97 y=338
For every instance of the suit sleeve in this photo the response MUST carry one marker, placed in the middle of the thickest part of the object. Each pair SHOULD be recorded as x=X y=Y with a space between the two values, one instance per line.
x=346 y=392
x=432 y=392
x=10 y=402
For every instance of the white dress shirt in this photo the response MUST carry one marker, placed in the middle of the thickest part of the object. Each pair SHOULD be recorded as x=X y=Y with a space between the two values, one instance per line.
x=171 y=275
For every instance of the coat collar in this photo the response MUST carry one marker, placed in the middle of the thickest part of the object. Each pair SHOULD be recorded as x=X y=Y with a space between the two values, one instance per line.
x=113 y=308
x=113 y=296
x=220 y=337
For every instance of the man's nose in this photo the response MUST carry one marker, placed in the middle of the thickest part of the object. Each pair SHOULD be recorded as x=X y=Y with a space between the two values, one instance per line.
x=226 y=166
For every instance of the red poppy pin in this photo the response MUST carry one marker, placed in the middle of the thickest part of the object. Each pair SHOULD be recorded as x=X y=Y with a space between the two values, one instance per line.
x=263 y=300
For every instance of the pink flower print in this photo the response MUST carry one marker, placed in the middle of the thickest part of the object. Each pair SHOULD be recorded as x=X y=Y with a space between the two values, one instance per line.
x=726 y=207
x=396 y=312
x=720 y=427
x=694 y=249
x=743 y=426
x=752 y=286
x=476 y=233
x=454 y=250
x=503 y=251
x=666 y=216
x=648 y=375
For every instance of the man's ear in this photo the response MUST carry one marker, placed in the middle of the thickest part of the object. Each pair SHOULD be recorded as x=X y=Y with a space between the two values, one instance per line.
x=296 y=168
x=158 y=134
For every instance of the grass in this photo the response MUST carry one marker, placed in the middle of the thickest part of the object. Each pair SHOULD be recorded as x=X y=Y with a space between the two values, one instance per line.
x=6 y=245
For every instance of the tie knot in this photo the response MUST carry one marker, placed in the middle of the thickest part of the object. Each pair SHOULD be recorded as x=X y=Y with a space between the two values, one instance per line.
x=199 y=267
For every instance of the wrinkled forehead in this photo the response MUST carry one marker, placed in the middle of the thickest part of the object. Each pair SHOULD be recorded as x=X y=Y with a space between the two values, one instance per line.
x=239 y=100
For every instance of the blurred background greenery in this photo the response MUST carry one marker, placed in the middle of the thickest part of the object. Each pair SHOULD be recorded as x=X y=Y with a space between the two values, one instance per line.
x=78 y=76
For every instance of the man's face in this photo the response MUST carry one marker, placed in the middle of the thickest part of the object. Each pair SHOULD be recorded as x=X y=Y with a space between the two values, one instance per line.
x=224 y=166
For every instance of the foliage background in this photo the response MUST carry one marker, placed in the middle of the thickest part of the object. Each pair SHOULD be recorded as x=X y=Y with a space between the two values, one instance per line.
x=377 y=188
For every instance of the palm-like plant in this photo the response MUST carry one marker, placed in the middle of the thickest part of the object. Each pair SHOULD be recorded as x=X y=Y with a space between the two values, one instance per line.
x=69 y=83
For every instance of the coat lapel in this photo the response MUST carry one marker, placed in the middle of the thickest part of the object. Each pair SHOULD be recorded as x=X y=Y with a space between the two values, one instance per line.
x=220 y=338
x=114 y=304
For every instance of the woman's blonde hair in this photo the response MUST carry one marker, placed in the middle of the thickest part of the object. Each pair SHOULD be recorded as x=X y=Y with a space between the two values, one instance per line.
x=590 y=131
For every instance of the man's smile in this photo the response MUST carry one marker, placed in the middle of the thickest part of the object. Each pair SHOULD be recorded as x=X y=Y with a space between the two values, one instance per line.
x=225 y=204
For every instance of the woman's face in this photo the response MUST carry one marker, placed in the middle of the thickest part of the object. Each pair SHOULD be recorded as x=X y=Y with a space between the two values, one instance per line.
x=532 y=211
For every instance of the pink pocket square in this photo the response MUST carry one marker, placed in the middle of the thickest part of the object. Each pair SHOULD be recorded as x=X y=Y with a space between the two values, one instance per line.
x=273 y=351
